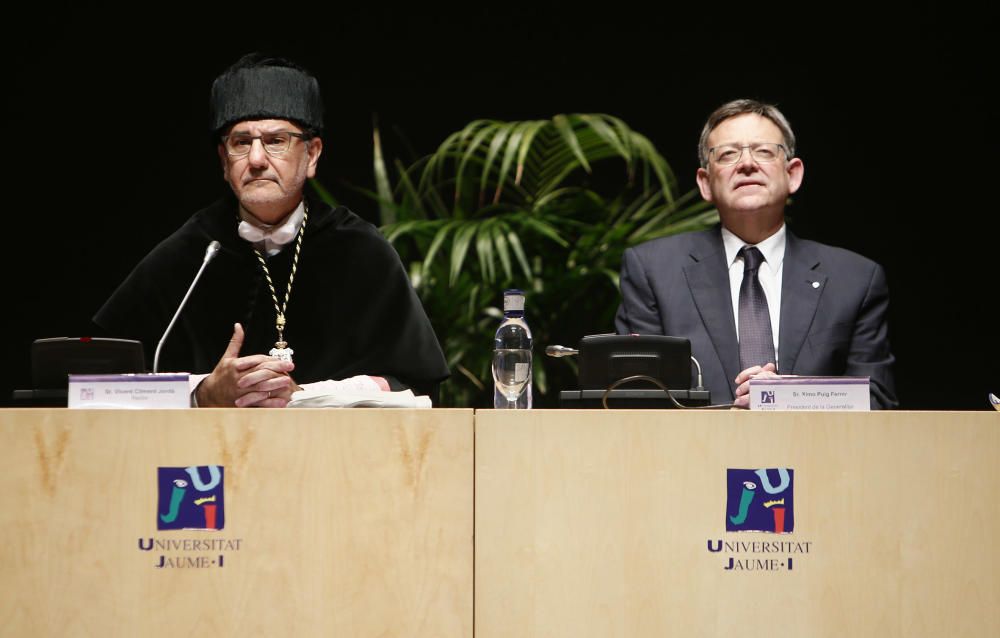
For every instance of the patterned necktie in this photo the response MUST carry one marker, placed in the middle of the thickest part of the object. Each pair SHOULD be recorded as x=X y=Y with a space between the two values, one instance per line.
x=756 y=340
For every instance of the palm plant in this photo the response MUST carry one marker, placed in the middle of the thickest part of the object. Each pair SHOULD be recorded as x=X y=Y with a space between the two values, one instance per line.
x=547 y=206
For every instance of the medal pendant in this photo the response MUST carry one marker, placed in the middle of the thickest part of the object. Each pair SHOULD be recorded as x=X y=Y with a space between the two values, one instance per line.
x=281 y=351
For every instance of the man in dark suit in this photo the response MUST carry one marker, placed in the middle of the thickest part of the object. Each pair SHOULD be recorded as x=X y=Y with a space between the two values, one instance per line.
x=754 y=299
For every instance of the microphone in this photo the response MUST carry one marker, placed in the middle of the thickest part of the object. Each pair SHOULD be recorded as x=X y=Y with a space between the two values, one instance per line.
x=699 y=386
x=210 y=252
x=560 y=351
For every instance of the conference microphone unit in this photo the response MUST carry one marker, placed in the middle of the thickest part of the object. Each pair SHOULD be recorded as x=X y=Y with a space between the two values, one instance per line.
x=210 y=252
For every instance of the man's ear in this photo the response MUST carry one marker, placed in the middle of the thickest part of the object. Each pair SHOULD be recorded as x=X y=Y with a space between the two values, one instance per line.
x=225 y=164
x=796 y=171
x=704 y=180
x=315 y=149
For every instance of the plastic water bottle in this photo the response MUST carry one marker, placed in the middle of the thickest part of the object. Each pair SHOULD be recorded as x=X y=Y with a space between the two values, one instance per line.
x=512 y=336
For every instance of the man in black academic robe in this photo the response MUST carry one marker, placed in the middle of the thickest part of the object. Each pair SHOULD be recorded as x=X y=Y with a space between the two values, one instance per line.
x=345 y=302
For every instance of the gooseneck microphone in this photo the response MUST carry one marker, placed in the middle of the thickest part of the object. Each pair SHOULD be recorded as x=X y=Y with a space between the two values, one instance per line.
x=698 y=365
x=210 y=253
x=560 y=351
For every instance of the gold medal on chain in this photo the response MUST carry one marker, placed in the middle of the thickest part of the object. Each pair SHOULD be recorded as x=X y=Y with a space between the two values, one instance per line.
x=281 y=349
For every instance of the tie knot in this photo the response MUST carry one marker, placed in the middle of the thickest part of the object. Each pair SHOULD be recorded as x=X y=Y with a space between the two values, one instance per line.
x=752 y=258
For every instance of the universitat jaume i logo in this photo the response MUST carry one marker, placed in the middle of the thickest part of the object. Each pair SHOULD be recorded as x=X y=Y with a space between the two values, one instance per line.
x=190 y=498
x=760 y=500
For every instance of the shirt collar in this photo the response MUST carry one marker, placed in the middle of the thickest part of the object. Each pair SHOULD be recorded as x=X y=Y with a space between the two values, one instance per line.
x=273 y=236
x=773 y=248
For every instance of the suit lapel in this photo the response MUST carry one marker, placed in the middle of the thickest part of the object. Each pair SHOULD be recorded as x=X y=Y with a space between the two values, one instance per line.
x=708 y=279
x=802 y=285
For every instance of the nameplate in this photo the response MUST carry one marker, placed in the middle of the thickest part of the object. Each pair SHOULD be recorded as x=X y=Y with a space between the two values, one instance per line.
x=811 y=393
x=129 y=391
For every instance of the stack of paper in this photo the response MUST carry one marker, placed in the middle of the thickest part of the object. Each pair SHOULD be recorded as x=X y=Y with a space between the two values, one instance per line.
x=358 y=399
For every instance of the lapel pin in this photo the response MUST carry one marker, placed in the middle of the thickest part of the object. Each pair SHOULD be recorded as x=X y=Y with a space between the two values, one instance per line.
x=815 y=284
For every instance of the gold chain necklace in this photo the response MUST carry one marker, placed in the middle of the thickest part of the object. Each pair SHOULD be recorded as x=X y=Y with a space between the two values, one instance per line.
x=281 y=349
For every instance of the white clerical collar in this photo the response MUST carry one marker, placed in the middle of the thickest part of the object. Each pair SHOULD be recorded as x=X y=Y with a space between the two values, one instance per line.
x=273 y=237
x=773 y=248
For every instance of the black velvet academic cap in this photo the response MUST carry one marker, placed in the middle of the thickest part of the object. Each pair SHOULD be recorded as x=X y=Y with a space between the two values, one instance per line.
x=263 y=88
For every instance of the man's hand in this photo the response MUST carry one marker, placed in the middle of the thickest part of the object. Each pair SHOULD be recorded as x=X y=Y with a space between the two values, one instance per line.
x=767 y=371
x=265 y=382
x=255 y=381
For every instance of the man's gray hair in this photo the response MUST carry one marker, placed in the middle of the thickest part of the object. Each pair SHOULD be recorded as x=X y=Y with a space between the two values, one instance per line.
x=742 y=107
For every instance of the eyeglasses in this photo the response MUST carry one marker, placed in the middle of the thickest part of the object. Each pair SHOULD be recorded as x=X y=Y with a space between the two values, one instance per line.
x=239 y=144
x=729 y=154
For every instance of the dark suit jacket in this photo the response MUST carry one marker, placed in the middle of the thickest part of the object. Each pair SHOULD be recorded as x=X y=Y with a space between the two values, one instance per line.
x=679 y=286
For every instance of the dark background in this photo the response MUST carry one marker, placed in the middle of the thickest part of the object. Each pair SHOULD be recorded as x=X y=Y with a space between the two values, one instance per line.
x=107 y=150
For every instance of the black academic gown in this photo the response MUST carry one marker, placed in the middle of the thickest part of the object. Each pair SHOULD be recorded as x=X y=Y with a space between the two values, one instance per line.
x=351 y=311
